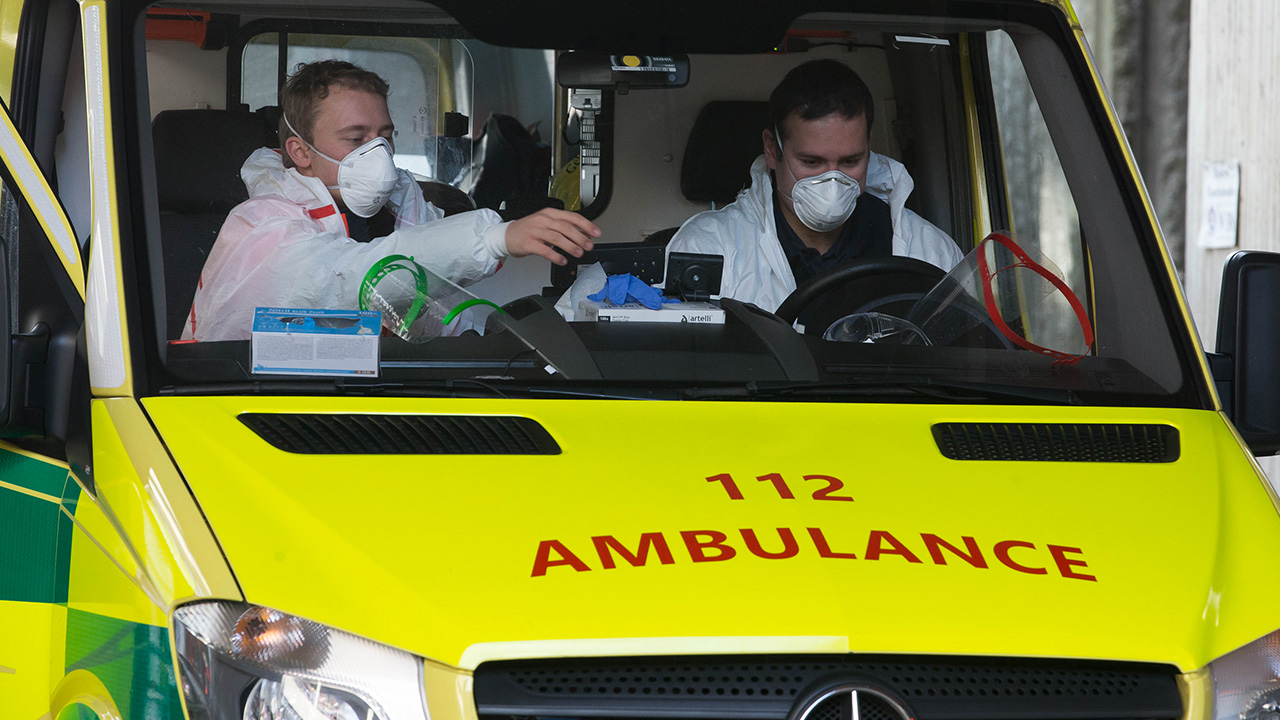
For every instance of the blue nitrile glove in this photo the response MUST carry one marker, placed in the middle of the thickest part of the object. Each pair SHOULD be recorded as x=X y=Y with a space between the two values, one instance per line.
x=614 y=290
x=622 y=289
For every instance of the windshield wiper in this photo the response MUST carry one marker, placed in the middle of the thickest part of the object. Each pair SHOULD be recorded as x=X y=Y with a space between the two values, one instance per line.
x=867 y=389
x=449 y=387
x=435 y=388
x=941 y=390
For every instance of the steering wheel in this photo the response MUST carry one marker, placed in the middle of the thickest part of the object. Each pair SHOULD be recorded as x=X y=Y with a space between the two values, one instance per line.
x=889 y=285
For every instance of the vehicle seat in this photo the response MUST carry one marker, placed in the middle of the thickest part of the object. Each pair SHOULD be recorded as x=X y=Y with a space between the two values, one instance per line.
x=198 y=158
x=724 y=141
x=446 y=197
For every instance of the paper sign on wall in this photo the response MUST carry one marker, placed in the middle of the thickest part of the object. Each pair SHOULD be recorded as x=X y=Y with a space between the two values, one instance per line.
x=1220 y=204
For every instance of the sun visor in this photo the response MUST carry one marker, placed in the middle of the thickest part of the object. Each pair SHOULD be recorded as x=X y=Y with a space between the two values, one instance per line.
x=646 y=28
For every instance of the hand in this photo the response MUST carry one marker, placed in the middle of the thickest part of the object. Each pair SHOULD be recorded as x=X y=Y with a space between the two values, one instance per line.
x=547 y=229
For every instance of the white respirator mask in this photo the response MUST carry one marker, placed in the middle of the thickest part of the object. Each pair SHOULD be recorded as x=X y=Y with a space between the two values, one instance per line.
x=822 y=202
x=366 y=176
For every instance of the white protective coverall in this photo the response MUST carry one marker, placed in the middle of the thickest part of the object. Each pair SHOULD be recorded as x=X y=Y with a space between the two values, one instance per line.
x=287 y=246
x=756 y=268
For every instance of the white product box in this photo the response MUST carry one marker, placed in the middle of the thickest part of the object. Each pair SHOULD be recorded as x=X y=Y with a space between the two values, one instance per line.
x=684 y=312
x=297 y=341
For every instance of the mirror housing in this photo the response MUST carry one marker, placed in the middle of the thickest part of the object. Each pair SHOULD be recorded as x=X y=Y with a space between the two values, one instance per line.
x=1248 y=348
x=576 y=69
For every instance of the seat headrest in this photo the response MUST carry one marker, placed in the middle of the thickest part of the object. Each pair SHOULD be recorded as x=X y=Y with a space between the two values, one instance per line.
x=199 y=154
x=446 y=197
x=725 y=140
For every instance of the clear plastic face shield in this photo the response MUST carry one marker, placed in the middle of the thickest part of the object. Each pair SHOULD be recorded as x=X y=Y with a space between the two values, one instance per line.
x=418 y=305
x=998 y=296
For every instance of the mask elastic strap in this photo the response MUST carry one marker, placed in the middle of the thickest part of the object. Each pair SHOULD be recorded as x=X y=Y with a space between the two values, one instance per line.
x=314 y=149
x=777 y=138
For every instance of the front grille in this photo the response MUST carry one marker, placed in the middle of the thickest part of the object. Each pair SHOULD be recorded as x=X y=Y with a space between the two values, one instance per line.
x=324 y=434
x=767 y=688
x=1056 y=442
x=869 y=708
x=839 y=707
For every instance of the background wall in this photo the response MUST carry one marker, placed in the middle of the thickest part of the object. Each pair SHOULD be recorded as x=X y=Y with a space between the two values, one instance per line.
x=1234 y=97
x=1141 y=48
x=1235 y=88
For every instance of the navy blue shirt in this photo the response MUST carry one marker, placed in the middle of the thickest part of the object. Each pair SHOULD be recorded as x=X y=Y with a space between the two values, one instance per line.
x=382 y=224
x=867 y=233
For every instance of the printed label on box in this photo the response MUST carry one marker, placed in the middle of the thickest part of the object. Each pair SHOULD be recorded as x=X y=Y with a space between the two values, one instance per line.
x=300 y=341
x=687 y=312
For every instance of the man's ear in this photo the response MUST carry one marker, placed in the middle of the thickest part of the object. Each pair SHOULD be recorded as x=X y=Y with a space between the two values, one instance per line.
x=297 y=151
x=770 y=150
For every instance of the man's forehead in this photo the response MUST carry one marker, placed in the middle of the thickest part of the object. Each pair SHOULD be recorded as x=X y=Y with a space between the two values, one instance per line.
x=829 y=134
x=352 y=106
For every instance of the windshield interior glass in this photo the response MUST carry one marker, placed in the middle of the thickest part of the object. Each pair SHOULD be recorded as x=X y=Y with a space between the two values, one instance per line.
x=908 y=208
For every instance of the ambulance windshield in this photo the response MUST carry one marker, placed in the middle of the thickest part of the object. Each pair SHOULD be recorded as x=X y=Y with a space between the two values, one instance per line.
x=821 y=206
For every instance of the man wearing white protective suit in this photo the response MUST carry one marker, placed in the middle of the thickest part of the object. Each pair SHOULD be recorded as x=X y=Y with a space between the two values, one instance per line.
x=331 y=204
x=818 y=196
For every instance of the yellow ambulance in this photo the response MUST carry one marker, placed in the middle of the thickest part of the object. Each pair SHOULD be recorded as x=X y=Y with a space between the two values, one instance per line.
x=1007 y=484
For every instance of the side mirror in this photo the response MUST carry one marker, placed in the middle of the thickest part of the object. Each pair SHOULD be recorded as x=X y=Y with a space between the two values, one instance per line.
x=1249 y=348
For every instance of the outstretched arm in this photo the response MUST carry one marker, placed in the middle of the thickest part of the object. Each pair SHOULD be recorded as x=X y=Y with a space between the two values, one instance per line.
x=548 y=229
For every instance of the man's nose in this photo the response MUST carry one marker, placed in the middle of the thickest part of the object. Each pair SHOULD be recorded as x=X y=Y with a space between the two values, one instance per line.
x=827 y=167
x=822 y=168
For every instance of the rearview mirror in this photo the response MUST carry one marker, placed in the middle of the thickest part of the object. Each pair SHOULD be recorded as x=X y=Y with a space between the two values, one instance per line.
x=1249 y=348
x=621 y=72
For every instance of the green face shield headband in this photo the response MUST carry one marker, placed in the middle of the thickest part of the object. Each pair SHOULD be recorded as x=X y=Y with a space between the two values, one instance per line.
x=401 y=289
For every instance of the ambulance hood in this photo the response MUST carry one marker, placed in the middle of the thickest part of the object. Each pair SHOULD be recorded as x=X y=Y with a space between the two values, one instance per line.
x=666 y=528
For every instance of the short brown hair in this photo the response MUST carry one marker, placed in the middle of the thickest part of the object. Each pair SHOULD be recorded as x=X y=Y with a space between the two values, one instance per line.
x=819 y=88
x=310 y=83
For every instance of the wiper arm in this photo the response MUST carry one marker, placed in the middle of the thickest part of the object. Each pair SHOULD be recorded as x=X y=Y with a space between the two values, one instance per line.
x=449 y=387
x=944 y=390
x=438 y=388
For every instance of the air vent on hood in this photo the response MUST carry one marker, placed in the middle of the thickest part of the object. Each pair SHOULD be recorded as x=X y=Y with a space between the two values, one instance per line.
x=1058 y=442
x=402 y=434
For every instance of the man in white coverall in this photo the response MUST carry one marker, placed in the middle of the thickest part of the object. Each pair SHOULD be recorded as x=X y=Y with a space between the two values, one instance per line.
x=329 y=206
x=835 y=200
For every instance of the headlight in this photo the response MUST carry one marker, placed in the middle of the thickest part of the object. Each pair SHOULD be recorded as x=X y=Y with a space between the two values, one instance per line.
x=245 y=662
x=1246 y=682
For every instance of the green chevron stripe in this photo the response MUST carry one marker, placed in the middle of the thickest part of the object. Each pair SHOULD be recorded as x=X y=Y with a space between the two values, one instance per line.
x=35 y=536
x=76 y=711
x=131 y=659
x=31 y=473
x=29 y=529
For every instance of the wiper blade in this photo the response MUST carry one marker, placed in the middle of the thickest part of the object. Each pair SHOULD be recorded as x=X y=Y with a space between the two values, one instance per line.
x=436 y=388
x=450 y=388
x=943 y=390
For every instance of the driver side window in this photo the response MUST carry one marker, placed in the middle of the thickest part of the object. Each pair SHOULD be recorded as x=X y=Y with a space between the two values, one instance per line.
x=1042 y=213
